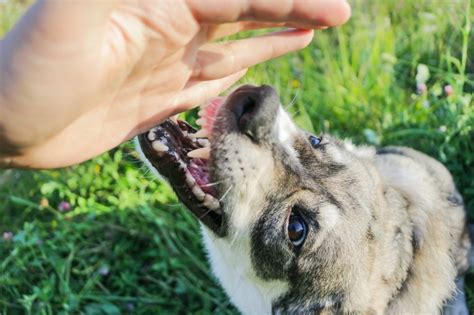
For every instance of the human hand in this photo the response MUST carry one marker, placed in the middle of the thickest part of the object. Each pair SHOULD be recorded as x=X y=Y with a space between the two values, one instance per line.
x=77 y=78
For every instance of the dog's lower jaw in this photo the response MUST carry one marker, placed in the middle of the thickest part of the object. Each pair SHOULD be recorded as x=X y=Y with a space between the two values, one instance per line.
x=250 y=294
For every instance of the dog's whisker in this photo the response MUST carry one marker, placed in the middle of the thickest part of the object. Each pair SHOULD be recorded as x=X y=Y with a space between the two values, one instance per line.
x=293 y=101
x=145 y=172
x=293 y=115
x=175 y=205
x=215 y=183
x=225 y=194
x=205 y=213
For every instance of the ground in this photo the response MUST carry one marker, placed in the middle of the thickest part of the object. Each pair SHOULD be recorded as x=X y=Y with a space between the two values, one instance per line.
x=105 y=237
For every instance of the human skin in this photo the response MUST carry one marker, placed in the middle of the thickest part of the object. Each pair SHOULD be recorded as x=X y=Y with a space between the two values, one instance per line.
x=78 y=78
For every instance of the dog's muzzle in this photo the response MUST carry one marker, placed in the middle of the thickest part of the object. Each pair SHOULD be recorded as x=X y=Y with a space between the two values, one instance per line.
x=183 y=154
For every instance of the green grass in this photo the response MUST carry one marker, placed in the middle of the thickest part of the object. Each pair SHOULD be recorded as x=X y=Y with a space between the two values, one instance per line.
x=127 y=246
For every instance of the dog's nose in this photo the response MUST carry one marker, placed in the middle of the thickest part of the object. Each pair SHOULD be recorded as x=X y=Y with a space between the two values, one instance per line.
x=254 y=109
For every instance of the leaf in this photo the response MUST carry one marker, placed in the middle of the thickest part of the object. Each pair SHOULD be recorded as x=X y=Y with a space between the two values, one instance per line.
x=23 y=202
x=101 y=308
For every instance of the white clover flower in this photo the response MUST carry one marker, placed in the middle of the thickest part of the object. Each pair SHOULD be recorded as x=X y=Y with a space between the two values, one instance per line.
x=422 y=73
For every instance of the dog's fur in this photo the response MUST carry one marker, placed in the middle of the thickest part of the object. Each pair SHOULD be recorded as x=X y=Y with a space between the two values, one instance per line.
x=386 y=228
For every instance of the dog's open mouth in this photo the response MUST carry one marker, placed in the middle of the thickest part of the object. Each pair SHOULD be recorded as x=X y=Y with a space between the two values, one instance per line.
x=181 y=154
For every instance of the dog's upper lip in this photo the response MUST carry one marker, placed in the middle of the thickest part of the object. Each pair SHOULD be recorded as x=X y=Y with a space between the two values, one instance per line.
x=166 y=147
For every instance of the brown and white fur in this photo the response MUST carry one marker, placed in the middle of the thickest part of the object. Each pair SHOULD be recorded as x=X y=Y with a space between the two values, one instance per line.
x=386 y=228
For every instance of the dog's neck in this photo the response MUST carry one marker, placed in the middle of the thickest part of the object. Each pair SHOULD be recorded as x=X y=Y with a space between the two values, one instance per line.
x=231 y=264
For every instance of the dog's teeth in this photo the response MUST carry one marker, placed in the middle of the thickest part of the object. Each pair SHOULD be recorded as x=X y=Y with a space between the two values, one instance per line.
x=201 y=112
x=159 y=146
x=175 y=118
x=152 y=135
x=204 y=142
x=197 y=191
x=190 y=179
x=200 y=122
x=185 y=133
x=211 y=202
x=201 y=153
x=201 y=133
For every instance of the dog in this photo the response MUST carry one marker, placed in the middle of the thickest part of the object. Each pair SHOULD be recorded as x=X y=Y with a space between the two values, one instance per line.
x=296 y=223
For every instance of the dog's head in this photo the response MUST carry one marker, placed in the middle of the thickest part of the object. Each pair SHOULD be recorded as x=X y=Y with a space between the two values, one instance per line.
x=296 y=205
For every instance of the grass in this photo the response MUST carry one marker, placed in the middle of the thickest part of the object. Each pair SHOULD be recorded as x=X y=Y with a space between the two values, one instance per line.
x=126 y=245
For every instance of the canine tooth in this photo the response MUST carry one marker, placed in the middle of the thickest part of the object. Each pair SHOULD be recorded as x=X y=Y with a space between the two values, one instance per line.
x=201 y=153
x=201 y=112
x=197 y=191
x=211 y=202
x=159 y=146
x=204 y=142
x=152 y=135
x=201 y=133
x=190 y=179
x=200 y=122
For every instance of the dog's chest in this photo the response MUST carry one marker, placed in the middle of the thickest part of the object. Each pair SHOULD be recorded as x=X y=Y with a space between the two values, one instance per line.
x=232 y=266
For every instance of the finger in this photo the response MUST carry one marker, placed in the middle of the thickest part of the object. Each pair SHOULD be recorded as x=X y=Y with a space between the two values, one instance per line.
x=197 y=92
x=302 y=13
x=193 y=94
x=222 y=30
x=221 y=59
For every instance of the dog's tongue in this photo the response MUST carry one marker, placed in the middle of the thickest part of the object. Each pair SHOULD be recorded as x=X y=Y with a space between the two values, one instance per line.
x=208 y=114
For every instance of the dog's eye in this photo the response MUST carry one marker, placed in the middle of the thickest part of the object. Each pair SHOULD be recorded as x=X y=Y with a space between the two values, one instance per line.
x=297 y=229
x=315 y=141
